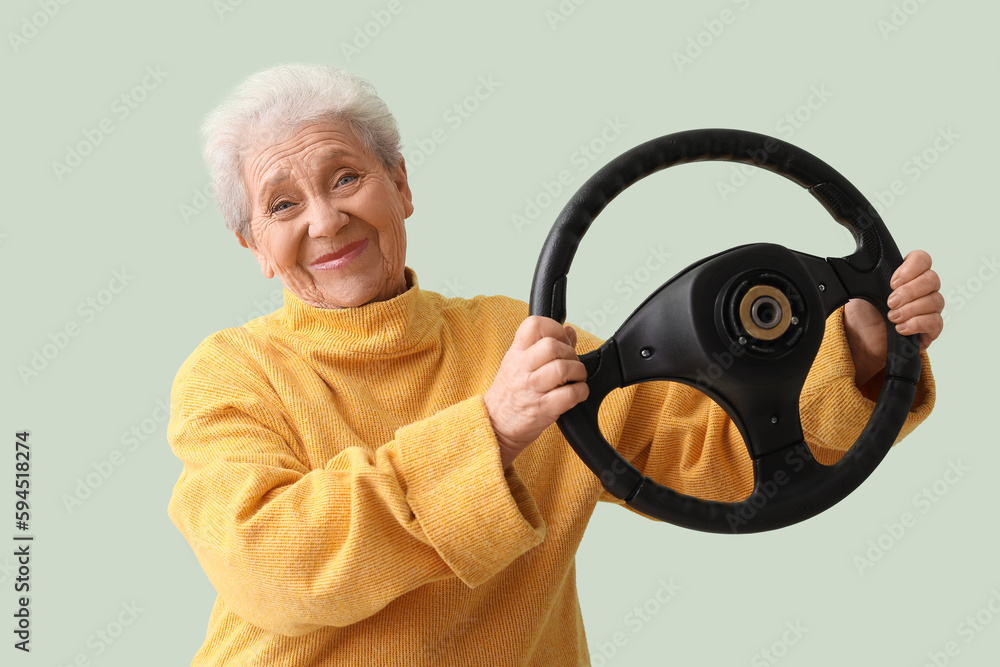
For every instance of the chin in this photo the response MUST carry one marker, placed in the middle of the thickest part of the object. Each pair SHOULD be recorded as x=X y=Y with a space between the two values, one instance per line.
x=362 y=292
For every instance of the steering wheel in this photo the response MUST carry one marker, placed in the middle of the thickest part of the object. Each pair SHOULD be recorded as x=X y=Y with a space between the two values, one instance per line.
x=757 y=310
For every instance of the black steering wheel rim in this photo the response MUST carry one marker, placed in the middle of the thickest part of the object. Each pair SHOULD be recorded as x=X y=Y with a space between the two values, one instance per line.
x=805 y=488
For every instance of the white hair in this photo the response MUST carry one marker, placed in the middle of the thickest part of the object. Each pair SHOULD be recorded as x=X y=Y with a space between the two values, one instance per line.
x=276 y=103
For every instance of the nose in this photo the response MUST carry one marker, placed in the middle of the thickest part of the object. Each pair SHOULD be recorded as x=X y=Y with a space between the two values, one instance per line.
x=326 y=219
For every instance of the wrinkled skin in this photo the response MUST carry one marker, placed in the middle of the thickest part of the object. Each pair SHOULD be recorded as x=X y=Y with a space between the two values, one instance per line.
x=317 y=193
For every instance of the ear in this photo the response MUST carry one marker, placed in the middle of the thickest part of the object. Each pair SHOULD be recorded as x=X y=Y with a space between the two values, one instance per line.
x=265 y=266
x=403 y=186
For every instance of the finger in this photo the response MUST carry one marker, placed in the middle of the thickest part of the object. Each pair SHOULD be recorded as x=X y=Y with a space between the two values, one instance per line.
x=533 y=329
x=571 y=335
x=545 y=352
x=927 y=325
x=926 y=283
x=555 y=374
x=915 y=263
x=561 y=399
x=925 y=305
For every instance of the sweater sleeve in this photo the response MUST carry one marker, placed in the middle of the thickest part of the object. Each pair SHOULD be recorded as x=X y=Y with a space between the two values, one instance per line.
x=292 y=549
x=683 y=439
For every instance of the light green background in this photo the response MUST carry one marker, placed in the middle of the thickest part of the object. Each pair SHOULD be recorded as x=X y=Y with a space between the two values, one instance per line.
x=887 y=95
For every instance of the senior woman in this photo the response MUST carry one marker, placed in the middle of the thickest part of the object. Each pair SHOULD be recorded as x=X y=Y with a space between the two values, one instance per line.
x=358 y=482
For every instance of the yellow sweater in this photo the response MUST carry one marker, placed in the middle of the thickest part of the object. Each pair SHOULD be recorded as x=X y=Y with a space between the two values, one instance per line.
x=342 y=486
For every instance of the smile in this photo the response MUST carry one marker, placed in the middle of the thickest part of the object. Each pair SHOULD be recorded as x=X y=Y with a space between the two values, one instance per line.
x=342 y=257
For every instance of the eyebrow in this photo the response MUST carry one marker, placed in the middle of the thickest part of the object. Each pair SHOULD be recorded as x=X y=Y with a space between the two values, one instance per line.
x=334 y=154
x=277 y=179
x=283 y=175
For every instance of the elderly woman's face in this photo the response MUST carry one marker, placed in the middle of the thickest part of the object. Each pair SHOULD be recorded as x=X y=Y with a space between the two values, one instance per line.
x=328 y=218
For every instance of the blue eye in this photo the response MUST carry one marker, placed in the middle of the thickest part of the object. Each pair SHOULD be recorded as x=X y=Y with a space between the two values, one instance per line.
x=345 y=178
x=277 y=208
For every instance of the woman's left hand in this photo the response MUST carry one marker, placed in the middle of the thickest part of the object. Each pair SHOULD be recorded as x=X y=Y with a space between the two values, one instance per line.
x=915 y=307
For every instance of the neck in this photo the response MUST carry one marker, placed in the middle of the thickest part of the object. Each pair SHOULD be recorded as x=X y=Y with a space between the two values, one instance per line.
x=378 y=327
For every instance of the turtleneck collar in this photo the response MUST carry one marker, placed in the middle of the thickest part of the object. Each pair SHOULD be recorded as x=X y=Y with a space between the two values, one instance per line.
x=380 y=327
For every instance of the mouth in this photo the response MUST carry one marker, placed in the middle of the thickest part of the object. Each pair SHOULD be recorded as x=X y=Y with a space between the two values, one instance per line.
x=342 y=257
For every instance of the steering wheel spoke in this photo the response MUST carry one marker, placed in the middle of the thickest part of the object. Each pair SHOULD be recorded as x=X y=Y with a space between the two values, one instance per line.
x=767 y=417
x=580 y=424
x=824 y=277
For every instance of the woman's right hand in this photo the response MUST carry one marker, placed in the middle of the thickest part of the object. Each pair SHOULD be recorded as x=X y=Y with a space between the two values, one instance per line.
x=540 y=377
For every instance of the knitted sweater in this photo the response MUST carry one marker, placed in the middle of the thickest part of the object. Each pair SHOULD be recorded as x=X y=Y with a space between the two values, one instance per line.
x=343 y=491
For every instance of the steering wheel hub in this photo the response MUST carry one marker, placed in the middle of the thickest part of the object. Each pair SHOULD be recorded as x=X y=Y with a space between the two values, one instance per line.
x=764 y=313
